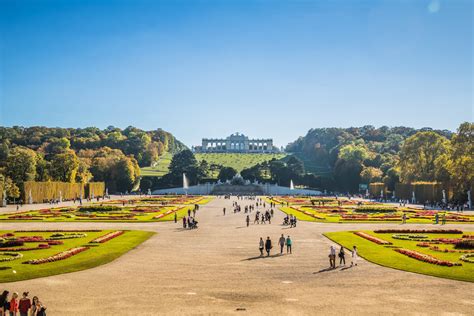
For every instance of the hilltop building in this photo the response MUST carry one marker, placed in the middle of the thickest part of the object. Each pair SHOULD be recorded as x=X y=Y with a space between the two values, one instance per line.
x=236 y=143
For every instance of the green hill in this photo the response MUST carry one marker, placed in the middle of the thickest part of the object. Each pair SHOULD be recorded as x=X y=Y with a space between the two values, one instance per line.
x=237 y=161
x=160 y=168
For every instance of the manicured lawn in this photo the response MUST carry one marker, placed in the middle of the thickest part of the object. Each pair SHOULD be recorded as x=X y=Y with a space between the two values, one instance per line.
x=237 y=161
x=342 y=210
x=147 y=209
x=161 y=168
x=96 y=255
x=385 y=255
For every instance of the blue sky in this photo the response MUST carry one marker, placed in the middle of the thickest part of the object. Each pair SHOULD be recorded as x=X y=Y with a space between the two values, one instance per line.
x=210 y=68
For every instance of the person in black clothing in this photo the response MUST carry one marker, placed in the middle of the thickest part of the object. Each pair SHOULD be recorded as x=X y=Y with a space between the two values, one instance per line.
x=268 y=246
x=342 y=256
x=248 y=220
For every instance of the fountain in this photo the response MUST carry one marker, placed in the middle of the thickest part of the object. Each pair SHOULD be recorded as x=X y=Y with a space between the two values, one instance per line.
x=185 y=184
x=292 y=187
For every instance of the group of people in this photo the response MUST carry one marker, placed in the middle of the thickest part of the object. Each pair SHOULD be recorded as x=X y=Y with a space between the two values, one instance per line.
x=282 y=242
x=262 y=218
x=24 y=306
x=289 y=220
x=342 y=257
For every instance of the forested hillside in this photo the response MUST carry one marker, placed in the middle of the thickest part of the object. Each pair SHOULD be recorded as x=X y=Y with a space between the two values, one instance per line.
x=88 y=154
x=350 y=156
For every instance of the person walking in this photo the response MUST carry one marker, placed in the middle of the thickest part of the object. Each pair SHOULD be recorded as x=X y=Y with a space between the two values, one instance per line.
x=184 y=222
x=261 y=246
x=288 y=244
x=404 y=218
x=354 y=256
x=443 y=219
x=175 y=218
x=342 y=256
x=248 y=220
x=281 y=242
x=268 y=246
x=38 y=309
x=223 y=211
x=332 y=257
x=4 y=305
x=24 y=304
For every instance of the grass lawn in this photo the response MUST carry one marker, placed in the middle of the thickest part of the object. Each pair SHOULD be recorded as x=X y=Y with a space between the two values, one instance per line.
x=350 y=211
x=161 y=168
x=96 y=255
x=385 y=255
x=238 y=161
x=148 y=209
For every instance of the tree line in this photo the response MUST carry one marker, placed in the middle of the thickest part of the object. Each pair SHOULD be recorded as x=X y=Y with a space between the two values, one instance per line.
x=81 y=155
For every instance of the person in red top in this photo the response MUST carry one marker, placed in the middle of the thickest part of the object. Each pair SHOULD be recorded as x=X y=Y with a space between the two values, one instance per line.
x=14 y=304
x=24 y=305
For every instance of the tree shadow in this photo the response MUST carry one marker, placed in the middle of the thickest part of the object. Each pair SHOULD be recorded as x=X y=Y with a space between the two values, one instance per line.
x=262 y=257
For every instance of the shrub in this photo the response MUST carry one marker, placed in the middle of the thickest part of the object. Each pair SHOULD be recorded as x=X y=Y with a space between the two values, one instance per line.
x=465 y=244
x=99 y=208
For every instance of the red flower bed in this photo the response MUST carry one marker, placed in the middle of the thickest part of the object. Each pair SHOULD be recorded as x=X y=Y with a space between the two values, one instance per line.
x=107 y=237
x=421 y=231
x=373 y=238
x=60 y=231
x=425 y=258
x=40 y=246
x=59 y=256
x=55 y=242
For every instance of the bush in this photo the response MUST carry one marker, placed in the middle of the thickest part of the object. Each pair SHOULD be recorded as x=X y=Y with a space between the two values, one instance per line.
x=376 y=209
x=99 y=208
x=465 y=244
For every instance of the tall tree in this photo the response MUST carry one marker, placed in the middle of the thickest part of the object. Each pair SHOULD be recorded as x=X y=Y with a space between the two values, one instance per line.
x=21 y=164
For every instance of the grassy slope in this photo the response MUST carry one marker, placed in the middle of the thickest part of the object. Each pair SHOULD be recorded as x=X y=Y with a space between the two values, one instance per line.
x=160 y=169
x=237 y=161
x=95 y=256
x=387 y=257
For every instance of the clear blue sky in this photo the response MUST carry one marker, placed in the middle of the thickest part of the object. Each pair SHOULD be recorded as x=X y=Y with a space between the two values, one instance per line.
x=210 y=68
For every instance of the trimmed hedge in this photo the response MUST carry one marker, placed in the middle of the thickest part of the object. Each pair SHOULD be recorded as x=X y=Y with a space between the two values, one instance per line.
x=99 y=208
x=424 y=191
x=376 y=187
x=45 y=191
x=94 y=189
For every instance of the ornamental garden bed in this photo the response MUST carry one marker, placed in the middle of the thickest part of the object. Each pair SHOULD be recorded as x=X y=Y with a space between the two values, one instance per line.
x=139 y=210
x=349 y=211
x=33 y=254
x=434 y=253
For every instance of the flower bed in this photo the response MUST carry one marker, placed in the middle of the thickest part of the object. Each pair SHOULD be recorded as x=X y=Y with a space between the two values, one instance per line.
x=373 y=238
x=59 y=256
x=107 y=237
x=467 y=258
x=66 y=236
x=60 y=231
x=425 y=258
x=10 y=256
x=39 y=247
x=418 y=231
x=410 y=237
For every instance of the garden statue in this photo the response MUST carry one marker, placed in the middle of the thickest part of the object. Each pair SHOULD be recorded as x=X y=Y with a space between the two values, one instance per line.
x=381 y=194
x=149 y=191
x=413 y=199
x=30 y=198
x=4 y=198
x=469 y=199
x=60 y=196
x=444 y=197
x=393 y=195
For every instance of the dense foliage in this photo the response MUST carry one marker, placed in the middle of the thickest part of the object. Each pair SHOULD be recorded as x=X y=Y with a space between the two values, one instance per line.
x=351 y=156
x=79 y=155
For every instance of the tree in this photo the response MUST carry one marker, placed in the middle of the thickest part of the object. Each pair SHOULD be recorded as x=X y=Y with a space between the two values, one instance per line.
x=419 y=154
x=64 y=166
x=227 y=173
x=184 y=162
x=295 y=165
x=461 y=162
x=21 y=165
x=371 y=174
